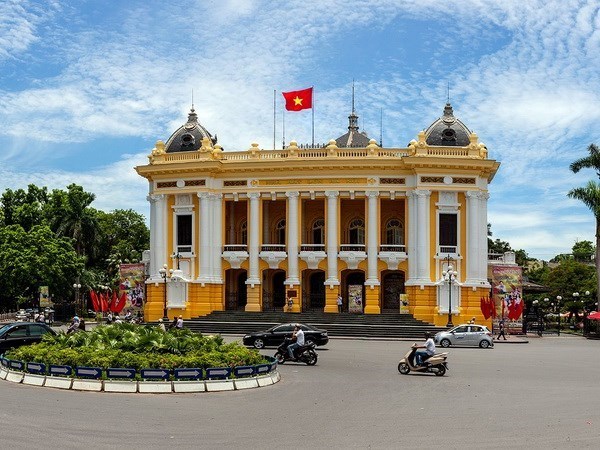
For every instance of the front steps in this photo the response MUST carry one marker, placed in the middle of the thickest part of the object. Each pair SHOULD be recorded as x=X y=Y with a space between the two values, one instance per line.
x=385 y=325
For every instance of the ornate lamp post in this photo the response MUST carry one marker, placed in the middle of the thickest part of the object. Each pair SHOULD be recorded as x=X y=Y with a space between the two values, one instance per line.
x=536 y=304
x=77 y=286
x=449 y=276
x=164 y=273
x=558 y=299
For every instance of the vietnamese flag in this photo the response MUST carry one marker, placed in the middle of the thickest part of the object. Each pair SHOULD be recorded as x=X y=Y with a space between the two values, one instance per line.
x=298 y=100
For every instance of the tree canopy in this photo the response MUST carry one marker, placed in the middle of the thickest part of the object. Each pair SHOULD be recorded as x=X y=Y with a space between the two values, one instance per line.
x=57 y=238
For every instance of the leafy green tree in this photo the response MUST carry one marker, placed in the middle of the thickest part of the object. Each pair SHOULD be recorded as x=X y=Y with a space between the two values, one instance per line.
x=34 y=258
x=583 y=251
x=25 y=208
x=71 y=216
x=566 y=278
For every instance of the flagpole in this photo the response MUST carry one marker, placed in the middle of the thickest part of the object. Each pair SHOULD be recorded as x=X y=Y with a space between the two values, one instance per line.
x=313 y=116
x=274 y=117
x=283 y=129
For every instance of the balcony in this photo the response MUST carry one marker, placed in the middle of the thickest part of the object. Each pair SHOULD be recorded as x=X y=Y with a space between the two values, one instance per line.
x=235 y=254
x=392 y=255
x=352 y=254
x=273 y=254
x=312 y=254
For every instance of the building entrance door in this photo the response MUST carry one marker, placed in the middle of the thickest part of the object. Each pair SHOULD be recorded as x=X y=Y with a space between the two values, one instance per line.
x=393 y=286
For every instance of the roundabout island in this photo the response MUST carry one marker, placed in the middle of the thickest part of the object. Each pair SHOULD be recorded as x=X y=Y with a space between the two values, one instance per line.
x=130 y=358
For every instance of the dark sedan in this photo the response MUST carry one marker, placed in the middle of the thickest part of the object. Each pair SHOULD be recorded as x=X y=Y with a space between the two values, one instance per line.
x=16 y=334
x=277 y=334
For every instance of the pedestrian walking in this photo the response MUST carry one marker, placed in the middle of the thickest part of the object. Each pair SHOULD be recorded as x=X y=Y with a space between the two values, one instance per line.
x=161 y=325
x=179 y=323
x=339 y=303
x=501 y=332
x=174 y=323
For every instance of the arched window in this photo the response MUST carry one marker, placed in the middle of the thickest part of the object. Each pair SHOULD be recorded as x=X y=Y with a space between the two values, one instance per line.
x=280 y=232
x=394 y=232
x=318 y=231
x=243 y=233
x=357 y=231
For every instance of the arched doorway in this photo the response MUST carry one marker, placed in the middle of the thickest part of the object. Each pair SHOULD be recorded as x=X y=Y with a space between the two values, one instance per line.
x=273 y=294
x=235 y=289
x=353 y=290
x=392 y=287
x=313 y=293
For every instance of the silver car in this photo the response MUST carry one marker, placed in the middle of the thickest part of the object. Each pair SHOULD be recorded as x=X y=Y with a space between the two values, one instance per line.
x=465 y=335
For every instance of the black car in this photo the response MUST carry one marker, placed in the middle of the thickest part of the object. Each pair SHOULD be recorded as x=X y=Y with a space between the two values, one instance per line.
x=276 y=335
x=16 y=334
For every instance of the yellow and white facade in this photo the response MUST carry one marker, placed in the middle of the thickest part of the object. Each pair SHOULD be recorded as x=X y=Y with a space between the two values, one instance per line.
x=252 y=229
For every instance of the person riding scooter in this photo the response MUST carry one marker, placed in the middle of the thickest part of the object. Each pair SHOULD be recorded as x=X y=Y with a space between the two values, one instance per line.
x=298 y=337
x=429 y=346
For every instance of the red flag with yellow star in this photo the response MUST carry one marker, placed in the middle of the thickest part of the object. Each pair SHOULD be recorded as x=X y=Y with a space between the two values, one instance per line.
x=298 y=100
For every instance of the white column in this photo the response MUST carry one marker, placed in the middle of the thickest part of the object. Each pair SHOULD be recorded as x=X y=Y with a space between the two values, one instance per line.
x=205 y=237
x=411 y=245
x=473 y=238
x=483 y=244
x=231 y=224
x=253 y=249
x=158 y=239
x=332 y=238
x=217 y=238
x=423 y=231
x=292 y=238
x=372 y=241
x=153 y=269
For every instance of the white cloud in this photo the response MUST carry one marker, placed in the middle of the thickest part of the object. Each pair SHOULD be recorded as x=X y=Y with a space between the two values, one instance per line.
x=532 y=96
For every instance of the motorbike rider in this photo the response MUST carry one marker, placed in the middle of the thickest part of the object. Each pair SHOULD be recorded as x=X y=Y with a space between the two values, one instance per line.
x=429 y=347
x=298 y=336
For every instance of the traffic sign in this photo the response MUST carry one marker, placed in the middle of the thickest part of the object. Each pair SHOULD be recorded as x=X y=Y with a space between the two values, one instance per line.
x=244 y=371
x=218 y=372
x=16 y=364
x=155 y=374
x=88 y=372
x=36 y=368
x=194 y=374
x=120 y=373
x=60 y=370
x=263 y=368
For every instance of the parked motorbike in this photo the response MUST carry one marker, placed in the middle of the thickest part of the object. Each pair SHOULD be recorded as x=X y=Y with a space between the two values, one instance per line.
x=304 y=353
x=434 y=364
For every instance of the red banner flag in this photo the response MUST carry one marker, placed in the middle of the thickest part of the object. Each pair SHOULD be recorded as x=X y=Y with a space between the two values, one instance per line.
x=298 y=100
x=103 y=302
x=120 y=303
x=95 y=303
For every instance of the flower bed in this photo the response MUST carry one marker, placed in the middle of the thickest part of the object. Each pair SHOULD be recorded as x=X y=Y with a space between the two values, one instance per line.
x=138 y=347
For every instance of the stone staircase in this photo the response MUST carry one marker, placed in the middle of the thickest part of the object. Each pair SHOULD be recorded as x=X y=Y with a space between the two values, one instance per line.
x=385 y=325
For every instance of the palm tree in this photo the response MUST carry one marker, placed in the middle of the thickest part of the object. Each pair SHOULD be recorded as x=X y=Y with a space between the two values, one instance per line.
x=74 y=218
x=590 y=196
x=589 y=162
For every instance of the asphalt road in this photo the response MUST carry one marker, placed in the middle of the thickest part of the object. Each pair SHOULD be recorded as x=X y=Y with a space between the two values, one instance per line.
x=545 y=394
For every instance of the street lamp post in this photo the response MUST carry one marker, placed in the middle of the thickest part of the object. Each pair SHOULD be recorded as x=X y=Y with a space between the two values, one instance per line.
x=77 y=286
x=449 y=276
x=558 y=299
x=164 y=274
x=536 y=304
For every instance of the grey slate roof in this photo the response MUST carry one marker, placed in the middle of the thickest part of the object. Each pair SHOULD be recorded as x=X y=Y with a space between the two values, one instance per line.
x=448 y=130
x=353 y=138
x=188 y=137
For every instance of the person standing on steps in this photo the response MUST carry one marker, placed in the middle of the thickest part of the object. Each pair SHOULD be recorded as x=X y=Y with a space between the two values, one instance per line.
x=339 y=303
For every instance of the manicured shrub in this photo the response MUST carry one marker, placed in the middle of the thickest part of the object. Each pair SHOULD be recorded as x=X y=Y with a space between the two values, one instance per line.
x=139 y=347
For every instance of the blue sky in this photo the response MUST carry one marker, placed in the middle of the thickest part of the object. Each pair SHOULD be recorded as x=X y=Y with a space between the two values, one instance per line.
x=87 y=87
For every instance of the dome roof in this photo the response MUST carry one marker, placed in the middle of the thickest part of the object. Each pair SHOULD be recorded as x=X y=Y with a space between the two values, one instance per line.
x=447 y=130
x=353 y=138
x=188 y=137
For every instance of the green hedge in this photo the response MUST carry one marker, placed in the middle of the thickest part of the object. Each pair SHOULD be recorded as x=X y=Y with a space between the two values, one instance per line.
x=139 y=347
